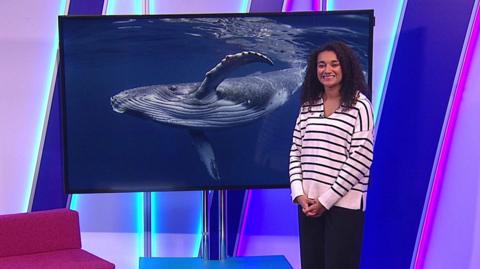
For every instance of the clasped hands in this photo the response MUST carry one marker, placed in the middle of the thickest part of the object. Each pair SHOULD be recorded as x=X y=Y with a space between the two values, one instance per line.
x=310 y=207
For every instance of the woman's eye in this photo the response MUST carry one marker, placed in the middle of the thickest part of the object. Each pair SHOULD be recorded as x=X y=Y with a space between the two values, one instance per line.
x=321 y=65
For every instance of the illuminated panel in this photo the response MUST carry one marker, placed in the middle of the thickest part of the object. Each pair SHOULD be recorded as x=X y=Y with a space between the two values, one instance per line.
x=245 y=7
x=432 y=202
x=118 y=7
x=28 y=53
x=292 y=5
x=389 y=15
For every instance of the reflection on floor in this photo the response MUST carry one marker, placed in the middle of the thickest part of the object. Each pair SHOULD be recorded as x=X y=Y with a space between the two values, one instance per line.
x=118 y=248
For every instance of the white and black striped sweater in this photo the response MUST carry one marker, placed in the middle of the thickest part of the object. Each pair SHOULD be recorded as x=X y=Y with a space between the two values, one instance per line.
x=331 y=156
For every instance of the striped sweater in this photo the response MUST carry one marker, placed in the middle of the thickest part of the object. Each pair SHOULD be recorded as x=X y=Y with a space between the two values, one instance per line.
x=331 y=156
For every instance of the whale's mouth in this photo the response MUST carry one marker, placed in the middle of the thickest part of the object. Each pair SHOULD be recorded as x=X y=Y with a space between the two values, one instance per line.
x=117 y=105
x=165 y=108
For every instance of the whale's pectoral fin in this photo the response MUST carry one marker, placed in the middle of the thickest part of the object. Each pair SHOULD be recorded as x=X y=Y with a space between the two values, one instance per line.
x=205 y=150
x=231 y=62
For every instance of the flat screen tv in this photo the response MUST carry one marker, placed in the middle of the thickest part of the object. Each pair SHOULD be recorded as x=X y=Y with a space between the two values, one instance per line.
x=189 y=102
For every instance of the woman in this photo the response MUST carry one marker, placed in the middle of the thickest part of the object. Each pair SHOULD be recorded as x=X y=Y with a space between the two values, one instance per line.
x=330 y=159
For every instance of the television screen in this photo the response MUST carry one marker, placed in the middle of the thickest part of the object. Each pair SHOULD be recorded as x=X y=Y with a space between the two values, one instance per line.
x=189 y=102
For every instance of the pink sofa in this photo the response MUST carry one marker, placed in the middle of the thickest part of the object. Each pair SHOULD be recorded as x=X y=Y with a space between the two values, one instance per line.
x=45 y=239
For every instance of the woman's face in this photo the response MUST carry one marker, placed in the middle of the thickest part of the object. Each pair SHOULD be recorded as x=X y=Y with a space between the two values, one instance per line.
x=329 y=71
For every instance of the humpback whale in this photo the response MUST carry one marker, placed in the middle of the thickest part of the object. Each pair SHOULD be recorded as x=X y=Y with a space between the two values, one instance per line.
x=217 y=102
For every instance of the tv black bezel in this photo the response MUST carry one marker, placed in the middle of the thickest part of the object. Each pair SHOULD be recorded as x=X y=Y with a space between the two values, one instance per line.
x=68 y=190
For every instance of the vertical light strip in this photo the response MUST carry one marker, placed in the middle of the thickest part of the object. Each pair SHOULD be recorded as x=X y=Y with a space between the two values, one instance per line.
x=329 y=5
x=245 y=7
x=41 y=129
x=241 y=238
x=111 y=6
x=151 y=9
x=140 y=223
x=287 y=5
x=379 y=97
x=198 y=235
x=153 y=231
x=74 y=202
x=452 y=112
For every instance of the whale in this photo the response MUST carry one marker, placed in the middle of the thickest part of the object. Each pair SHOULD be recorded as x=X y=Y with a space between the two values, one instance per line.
x=219 y=101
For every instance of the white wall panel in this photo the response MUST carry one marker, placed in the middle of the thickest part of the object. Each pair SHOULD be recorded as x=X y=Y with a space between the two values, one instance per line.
x=27 y=38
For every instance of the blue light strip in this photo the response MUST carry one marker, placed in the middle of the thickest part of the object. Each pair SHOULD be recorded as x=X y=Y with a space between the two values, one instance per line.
x=139 y=223
x=198 y=235
x=42 y=122
x=111 y=5
x=330 y=5
x=74 y=202
x=378 y=99
x=151 y=10
x=245 y=7
x=379 y=96
x=138 y=7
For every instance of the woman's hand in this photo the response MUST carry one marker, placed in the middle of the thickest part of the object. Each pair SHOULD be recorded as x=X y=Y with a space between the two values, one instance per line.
x=304 y=202
x=315 y=209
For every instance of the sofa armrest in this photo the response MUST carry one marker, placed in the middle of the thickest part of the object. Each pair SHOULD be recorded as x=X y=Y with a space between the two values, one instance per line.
x=42 y=231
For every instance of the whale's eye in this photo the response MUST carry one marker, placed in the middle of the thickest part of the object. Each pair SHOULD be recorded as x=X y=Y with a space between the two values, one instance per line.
x=172 y=88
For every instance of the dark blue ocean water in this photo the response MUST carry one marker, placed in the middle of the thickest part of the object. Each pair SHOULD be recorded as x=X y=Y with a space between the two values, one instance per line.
x=108 y=151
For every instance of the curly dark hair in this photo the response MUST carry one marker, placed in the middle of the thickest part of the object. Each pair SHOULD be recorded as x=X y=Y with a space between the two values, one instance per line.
x=352 y=81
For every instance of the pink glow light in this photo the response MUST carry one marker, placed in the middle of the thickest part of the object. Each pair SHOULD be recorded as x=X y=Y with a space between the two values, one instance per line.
x=316 y=5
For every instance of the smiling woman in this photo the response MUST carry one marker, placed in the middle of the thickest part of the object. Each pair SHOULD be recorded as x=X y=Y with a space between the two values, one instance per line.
x=330 y=159
x=329 y=70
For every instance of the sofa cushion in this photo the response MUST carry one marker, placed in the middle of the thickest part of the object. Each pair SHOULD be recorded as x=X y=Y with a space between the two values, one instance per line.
x=42 y=231
x=61 y=259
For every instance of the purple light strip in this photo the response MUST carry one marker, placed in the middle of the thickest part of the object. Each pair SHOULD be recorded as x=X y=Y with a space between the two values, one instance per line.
x=287 y=6
x=432 y=203
x=317 y=5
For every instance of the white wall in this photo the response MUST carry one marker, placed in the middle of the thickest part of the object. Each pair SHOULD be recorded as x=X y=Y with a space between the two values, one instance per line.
x=27 y=38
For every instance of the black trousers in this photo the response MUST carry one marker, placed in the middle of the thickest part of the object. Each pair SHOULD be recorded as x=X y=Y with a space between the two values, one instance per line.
x=333 y=240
